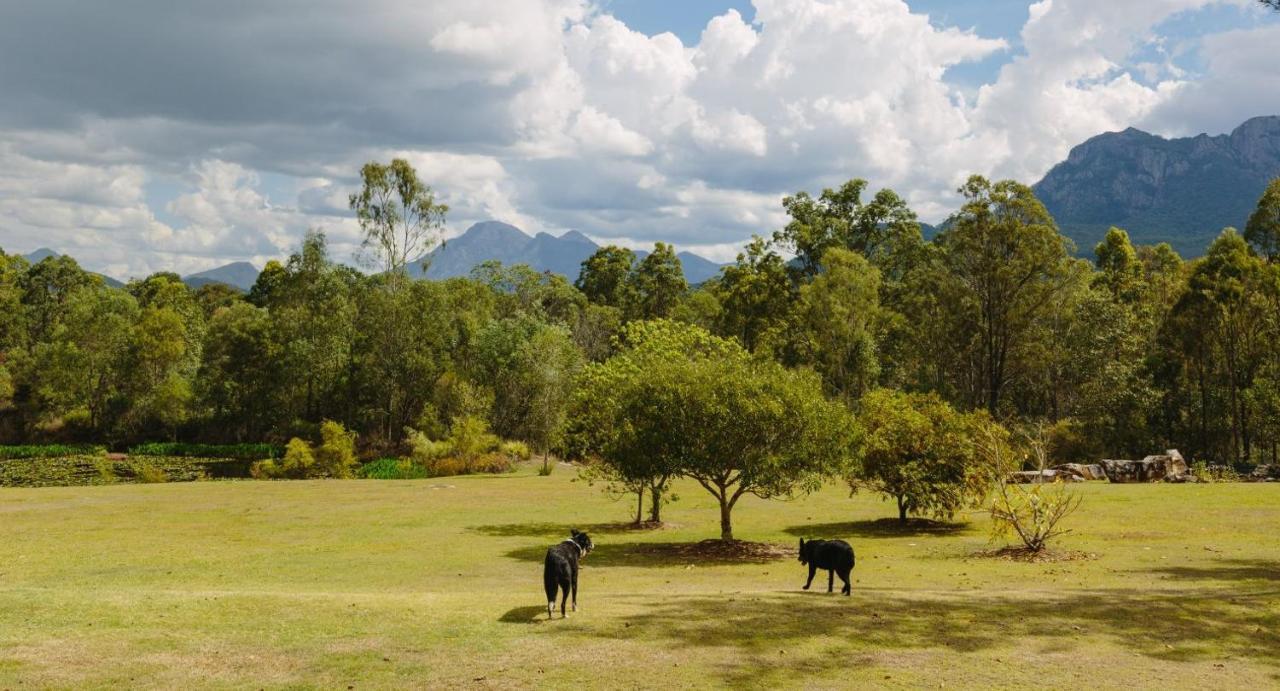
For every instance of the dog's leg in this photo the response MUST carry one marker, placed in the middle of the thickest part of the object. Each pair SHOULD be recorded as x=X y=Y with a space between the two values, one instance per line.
x=812 y=571
x=848 y=585
x=550 y=606
x=564 y=597
x=831 y=580
x=575 y=587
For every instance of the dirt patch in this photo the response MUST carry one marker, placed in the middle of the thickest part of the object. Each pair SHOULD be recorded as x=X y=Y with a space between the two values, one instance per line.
x=1047 y=556
x=717 y=551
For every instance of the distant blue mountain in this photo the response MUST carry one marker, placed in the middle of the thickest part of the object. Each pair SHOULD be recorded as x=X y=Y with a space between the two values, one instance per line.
x=494 y=240
x=241 y=275
x=45 y=253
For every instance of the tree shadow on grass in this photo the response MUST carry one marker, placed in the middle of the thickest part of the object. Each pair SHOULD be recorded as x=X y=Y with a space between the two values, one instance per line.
x=666 y=554
x=879 y=529
x=1228 y=570
x=524 y=615
x=1186 y=626
x=561 y=530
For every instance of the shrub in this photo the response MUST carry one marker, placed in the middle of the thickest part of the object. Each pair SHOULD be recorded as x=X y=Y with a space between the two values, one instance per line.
x=517 y=450
x=470 y=439
x=1032 y=512
x=392 y=469
x=246 y=452
x=149 y=474
x=298 y=460
x=49 y=451
x=545 y=469
x=336 y=455
x=424 y=451
x=1214 y=473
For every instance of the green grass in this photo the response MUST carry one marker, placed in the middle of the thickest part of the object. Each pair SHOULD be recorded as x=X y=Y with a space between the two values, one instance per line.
x=436 y=583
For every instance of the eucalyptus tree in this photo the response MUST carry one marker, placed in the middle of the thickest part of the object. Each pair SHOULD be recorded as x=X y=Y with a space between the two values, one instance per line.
x=398 y=215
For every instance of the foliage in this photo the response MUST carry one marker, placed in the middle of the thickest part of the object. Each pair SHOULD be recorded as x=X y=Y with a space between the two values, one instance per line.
x=49 y=450
x=392 y=469
x=733 y=424
x=605 y=275
x=656 y=286
x=919 y=451
x=336 y=455
x=398 y=214
x=1033 y=512
x=149 y=474
x=240 y=451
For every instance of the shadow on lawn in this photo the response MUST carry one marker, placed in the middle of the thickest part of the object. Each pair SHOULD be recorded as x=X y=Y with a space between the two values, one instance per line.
x=659 y=554
x=560 y=530
x=878 y=529
x=1228 y=570
x=524 y=615
x=1189 y=626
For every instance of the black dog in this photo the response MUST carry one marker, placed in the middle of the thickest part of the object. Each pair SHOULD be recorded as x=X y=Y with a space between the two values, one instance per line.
x=836 y=556
x=561 y=570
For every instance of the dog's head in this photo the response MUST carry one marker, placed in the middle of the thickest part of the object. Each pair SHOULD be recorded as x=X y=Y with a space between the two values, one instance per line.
x=583 y=541
x=806 y=550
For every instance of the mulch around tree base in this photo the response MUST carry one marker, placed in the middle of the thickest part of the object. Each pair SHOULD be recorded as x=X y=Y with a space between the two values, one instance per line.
x=1046 y=556
x=720 y=550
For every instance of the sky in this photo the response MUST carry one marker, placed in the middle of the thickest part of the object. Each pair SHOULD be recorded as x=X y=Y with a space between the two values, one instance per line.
x=146 y=135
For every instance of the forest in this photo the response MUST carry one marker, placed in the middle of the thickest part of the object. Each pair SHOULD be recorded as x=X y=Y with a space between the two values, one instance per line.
x=1133 y=351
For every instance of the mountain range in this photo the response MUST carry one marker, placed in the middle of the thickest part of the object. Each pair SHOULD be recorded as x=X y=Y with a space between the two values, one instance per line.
x=1179 y=191
x=494 y=240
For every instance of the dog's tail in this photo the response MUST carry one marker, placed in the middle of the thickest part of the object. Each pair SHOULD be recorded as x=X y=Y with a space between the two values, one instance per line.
x=549 y=577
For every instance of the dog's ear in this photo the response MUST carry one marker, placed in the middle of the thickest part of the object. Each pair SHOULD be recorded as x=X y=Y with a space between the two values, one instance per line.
x=574 y=532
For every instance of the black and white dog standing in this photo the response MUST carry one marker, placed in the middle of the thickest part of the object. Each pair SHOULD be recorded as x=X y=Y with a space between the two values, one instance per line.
x=836 y=556
x=560 y=570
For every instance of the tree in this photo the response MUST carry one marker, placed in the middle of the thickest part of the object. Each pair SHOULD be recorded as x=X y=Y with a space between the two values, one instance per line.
x=628 y=456
x=1263 y=230
x=735 y=425
x=835 y=322
x=398 y=215
x=1119 y=269
x=1003 y=263
x=878 y=230
x=239 y=376
x=1226 y=297
x=604 y=275
x=656 y=285
x=755 y=294
x=919 y=451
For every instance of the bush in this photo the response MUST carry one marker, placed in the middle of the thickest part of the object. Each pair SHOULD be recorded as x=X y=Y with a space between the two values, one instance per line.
x=149 y=474
x=1032 y=512
x=1214 y=473
x=246 y=452
x=516 y=450
x=50 y=451
x=470 y=438
x=336 y=455
x=393 y=469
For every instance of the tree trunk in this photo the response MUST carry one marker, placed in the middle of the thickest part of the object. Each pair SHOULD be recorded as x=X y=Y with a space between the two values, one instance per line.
x=902 y=510
x=640 y=505
x=655 y=503
x=726 y=523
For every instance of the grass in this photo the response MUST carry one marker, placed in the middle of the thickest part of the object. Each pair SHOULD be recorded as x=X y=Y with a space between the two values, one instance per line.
x=436 y=583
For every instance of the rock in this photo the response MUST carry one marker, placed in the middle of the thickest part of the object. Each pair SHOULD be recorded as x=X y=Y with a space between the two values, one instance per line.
x=1264 y=473
x=1027 y=477
x=1168 y=467
x=1084 y=472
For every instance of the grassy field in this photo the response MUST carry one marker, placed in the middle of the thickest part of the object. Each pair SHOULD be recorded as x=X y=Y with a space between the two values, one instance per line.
x=437 y=583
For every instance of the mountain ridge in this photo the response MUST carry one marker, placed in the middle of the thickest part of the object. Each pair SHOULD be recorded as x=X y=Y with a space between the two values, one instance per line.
x=1183 y=191
x=496 y=240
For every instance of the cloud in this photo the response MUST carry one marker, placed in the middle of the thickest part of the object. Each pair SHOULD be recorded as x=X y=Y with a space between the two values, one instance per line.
x=157 y=135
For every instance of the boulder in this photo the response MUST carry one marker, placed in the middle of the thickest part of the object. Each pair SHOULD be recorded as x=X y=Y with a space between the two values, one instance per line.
x=1167 y=467
x=1082 y=471
x=1264 y=473
x=1027 y=477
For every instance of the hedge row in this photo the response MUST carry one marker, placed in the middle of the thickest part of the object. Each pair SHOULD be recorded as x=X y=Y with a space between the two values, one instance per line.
x=98 y=470
x=49 y=450
x=245 y=452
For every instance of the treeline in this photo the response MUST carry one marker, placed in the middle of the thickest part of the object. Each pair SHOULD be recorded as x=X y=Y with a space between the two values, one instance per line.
x=1135 y=351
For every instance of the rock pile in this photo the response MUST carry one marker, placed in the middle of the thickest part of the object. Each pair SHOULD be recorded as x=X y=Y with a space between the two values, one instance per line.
x=1167 y=467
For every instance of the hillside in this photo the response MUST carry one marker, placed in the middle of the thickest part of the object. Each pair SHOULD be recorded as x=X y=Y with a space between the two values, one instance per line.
x=494 y=240
x=1180 y=191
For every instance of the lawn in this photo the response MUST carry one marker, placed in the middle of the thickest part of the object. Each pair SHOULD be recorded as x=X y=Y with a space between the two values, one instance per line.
x=437 y=583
